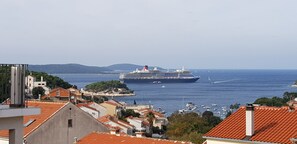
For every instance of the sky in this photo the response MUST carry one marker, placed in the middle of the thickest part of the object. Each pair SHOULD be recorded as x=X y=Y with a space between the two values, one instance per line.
x=206 y=34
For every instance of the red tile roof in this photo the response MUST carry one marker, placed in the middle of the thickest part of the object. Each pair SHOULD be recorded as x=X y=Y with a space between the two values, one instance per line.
x=48 y=109
x=104 y=138
x=109 y=118
x=277 y=125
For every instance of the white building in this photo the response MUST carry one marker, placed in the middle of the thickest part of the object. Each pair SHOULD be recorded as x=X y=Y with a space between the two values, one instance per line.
x=93 y=109
x=138 y=123
x=32 y=83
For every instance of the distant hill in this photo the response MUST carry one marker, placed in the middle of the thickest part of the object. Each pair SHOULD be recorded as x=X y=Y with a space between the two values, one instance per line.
x=77 y=68
x=128 y=67
x=67 y=68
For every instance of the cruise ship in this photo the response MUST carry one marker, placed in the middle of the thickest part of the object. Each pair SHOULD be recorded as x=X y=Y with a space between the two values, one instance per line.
x=156 y=76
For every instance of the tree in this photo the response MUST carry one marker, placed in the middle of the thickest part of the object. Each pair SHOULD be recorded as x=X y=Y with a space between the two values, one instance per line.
x=150 y=117
x=38 y=91
x=190 y=126
x=52 y=81
x=274 y=101
x=287 y=96
x=4 y=82
x=207 y=114
x=108 y=86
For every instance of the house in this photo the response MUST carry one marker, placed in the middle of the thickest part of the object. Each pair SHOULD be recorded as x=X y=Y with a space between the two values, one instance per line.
x=93 y=109
x=93 y=112
x=58 y=123
x=106 y=138
x=76 y=95
x=59 y=94
x=112 y=122
x=113 y=108
x=159 y=119
x=256 y=124
x=140 y=124
x=31 y=83
x=102 y=110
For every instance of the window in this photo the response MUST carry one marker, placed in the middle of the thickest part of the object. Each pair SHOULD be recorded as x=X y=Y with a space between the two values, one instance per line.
x=69 y=122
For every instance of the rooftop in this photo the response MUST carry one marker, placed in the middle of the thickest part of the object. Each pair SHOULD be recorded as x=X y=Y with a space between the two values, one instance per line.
x=105 y=138
x=272 y=124
x=48 y=109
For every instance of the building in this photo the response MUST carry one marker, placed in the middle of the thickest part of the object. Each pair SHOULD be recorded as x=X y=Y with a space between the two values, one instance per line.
x=112 y=122
x=255 y=125
x=31 y=83
x=93 y=109
x=105 y=138
x=58 y=123
x=59 y=94
x=140 y=124
x=113 y=108
x=159 y=119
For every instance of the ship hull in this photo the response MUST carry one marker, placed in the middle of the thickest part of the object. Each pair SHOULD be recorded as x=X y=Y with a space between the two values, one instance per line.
x=181 y=80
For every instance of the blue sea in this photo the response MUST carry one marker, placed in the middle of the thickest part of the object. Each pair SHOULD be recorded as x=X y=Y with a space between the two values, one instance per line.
x=216 y=89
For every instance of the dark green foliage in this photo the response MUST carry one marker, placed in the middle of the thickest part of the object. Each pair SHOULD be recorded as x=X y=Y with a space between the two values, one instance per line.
x=128 y=112
x=4 y=83
x=107 y=86
x=210 y=118
x=228 y=114
x=95 y=99
x=51 y=81
x=274 y=101
x=38 y=91
x=287 y=96
x=190 y=126
x=277 y=101
x=234 y=106
x=207 y=114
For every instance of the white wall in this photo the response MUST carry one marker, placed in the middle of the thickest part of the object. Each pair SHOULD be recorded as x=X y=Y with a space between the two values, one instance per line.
x=93 y=113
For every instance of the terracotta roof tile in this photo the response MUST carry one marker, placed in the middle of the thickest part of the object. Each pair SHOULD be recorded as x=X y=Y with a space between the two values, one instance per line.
x=104 y=138
x=48 y=109
x=277 y=125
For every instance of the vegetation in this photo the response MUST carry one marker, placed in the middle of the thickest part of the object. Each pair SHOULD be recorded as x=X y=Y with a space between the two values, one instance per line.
x=4 y=83
x=51 y=81
x=128 y=112
x=95 y=99
x=38 y=91
x=232 y=107
x=108 y=86
x=190 y=126
x=277 y=101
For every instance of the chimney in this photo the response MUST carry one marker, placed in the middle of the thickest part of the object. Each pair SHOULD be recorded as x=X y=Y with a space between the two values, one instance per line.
x=249 y=118
x=17 y=90
x=114 y=131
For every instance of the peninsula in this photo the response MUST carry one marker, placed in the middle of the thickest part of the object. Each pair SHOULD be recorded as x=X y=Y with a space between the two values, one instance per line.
x=108 y=88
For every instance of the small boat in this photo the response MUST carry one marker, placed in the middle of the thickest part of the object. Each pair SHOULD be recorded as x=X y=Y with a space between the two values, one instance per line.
x=190 y=107
x=160 y=110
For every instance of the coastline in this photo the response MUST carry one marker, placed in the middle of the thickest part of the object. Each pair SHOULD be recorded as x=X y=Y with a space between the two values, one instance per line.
x=87 y=93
